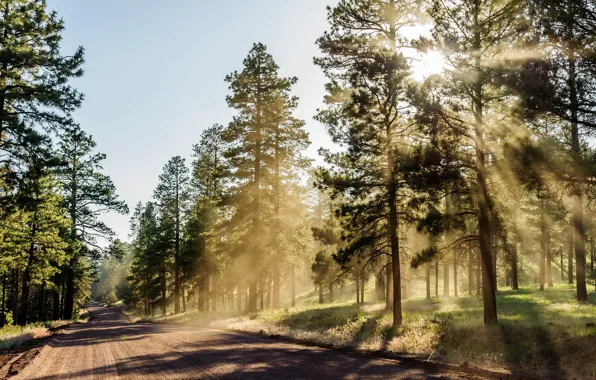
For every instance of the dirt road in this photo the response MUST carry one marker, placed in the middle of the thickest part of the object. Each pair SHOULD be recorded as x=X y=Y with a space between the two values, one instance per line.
x=111 y=348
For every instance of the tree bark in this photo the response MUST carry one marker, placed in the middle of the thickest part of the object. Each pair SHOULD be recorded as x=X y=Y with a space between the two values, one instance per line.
x=445 y=278
x=437 y=278
x=163 y=286
x=514 y=276
x=68 y=298
x=542 y=256
x=363 y=280
x=357 y=288
x=470 y=270
x=427 y=277
x=389 y=286
x=592 y=248
x=455 y=294
x=183 y=285
x=570 y=252
x=392 y=192
x=26 y=287
x=549 y=260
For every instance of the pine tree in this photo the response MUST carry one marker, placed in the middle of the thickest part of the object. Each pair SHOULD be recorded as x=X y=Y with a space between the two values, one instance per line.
x=43 y=247
x=88 y=194
x=149 y=263
x=205 y=225
x=173 y=195
x=475 y=36
x=366 y=112
x=288 y=140
x=34 y=75
x=256 y=94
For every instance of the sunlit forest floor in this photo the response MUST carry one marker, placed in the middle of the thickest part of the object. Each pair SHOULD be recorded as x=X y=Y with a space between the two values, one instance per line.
x=548 y=332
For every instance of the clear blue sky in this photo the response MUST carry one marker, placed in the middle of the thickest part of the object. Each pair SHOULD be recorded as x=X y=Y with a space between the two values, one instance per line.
x=154 y=74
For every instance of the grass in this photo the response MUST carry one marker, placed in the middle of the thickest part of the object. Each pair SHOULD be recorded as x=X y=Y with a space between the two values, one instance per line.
x=116 y=304
x=12 y=336
x=547 y=333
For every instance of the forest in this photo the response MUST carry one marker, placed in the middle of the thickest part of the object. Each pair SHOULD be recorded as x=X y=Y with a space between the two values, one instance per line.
x=476 y=180
x=473 y=170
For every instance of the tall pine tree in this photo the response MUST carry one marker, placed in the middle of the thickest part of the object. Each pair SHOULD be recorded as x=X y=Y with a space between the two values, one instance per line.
x=88 y=193
x=367 y=113
x=173 y=195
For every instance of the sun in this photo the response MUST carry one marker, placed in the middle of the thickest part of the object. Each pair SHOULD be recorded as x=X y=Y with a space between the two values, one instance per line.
x=427 y=64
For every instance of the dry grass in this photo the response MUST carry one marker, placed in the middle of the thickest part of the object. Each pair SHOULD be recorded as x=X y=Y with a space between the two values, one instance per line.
x=32 y=334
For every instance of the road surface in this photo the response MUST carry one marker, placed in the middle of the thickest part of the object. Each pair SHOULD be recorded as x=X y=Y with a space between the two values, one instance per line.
x=111 y=348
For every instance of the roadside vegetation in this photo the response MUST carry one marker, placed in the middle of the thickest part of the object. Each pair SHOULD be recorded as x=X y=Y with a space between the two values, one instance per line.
x=13 y=336
x=546 y=333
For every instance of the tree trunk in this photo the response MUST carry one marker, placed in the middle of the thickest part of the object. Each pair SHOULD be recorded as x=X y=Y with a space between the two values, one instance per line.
x=320 y=293
x=379 y=287
x=207 y=285
x=395 y=266
x=392 y=192
x=239 y=298
x=592 y=248
x=478 y=277
x=363 y=280
x=330 y=292
x=488 y=280
x=427 y=276
x=358 y=288
x=256 y=216
x=268 y=296
x=293 y=287
x=214 y=291
x=276 y=211
x=3 y=317
x=445 y=278
x=202 y=285
x=247 y=299
x=578 y=218
x=562 y=268
x=56 y=303
x=470 y=270
x=570 y=252
x=389 y=287
x=26 y=287
x=549 y=260
x=437 y=278
x=70 y=290
x=262 y=293
x=542 y=256
x=183 y=285
x=177 y=267
x=163 y=286
x=455 y=294
x=514 y=279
